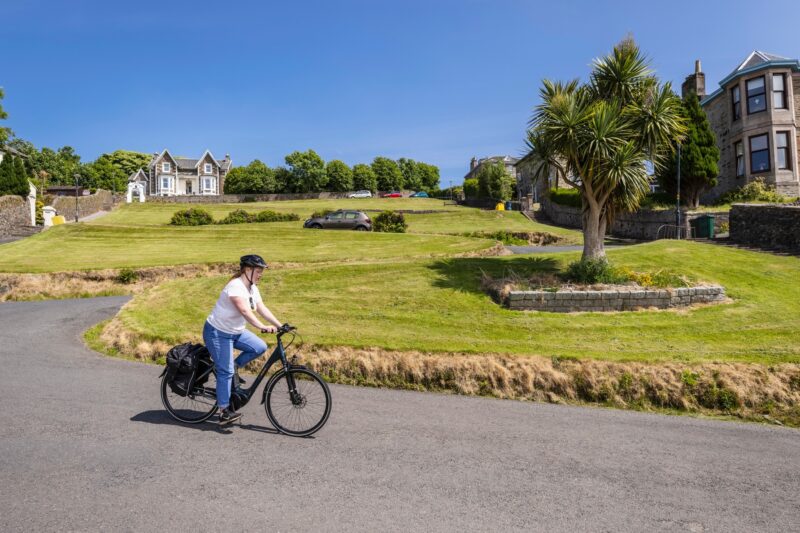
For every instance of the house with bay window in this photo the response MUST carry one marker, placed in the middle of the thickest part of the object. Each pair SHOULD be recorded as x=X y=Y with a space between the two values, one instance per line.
x=168 y=175
x=754 y=115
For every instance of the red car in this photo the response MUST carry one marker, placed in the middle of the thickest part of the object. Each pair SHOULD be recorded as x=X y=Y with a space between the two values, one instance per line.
x=393 y=194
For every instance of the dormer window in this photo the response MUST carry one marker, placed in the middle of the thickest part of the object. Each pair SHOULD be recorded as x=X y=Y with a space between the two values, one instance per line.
x=207 y=168
x=166 y=167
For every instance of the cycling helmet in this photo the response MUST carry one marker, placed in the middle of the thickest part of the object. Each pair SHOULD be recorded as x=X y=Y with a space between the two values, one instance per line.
x=252 y=260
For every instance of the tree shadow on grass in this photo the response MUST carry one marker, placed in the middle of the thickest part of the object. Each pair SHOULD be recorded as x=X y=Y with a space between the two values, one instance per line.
x=464 y=274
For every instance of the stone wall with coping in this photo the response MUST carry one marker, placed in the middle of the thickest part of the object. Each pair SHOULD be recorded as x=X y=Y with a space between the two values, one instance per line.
x=641 y=225
x=568 y=301
x=87 y=205
x=14 y=213
x=766 y=226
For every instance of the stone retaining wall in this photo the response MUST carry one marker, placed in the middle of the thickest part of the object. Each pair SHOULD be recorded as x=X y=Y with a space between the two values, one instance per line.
x=244 y=198
x=14 y=213
x=87 y=205
x=766 y=226
x=641 y=225
x=612 y=300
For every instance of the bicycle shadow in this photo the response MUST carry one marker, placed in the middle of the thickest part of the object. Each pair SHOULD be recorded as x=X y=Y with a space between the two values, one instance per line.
x=160 y=417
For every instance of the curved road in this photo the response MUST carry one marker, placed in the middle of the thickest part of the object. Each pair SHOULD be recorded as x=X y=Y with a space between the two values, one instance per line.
x=86 y=446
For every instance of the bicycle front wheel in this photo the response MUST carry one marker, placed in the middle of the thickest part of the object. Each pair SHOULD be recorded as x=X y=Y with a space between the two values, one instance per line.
x=300 y=412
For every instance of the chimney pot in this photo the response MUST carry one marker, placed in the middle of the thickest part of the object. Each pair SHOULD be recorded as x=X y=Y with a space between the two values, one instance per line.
x=697 y=68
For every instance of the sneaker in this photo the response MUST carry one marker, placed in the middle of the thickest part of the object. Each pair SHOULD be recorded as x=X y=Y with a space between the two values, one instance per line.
x=237 y=380
x=228 y=416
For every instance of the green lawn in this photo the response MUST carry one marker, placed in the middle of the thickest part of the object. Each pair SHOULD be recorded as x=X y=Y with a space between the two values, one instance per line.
x=91 y=247
x=436 y=305
x=456 y=219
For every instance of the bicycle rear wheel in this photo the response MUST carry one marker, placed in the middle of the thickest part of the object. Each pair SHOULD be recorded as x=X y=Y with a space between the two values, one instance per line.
x=194 y=408
x=303 y=412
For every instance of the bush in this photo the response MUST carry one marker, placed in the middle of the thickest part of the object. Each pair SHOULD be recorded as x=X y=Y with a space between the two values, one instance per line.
x=194 y=216
x=471 y=188
x=321 y=214
x=127 y=276
x=238 y=216
x=591 y=271
x=390 y=222
x=755 y=191
x=568 y=197
x=506 y=237
x=272 y=216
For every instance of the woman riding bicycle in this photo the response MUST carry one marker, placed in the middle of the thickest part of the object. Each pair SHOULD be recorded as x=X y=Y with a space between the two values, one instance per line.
x=225 y=329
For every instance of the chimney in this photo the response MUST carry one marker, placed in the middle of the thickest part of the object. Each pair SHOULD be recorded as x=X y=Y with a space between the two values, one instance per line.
x=695 y=83
x=473 y=163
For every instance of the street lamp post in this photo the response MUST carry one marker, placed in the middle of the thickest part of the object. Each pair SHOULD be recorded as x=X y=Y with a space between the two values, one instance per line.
x=77 y=178
x=678 y=200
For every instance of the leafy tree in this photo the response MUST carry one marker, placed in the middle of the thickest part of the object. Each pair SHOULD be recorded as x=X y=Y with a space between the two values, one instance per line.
x=495 y=182
x=699 y=157
x=387 y=174
x=255 y=178
x=364 y=178
x=5 y=133
x=429 y=175
x=411 y=171
x=340 y=177
x=127 y=161
x=308 y=170
x=598 y=136
x=284 y=180
x=471 y=188
x=13 y=178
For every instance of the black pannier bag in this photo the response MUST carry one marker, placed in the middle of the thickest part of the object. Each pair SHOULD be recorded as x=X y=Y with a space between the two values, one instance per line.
x=187 y=362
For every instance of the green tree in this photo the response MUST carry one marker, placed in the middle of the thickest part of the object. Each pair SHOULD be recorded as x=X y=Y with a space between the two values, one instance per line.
x=364 y=178
x=5 y=133
x=699 y=157
x=13 y=178
x=412 y=175
x=429 y=175
x=495 y=182
x=387 y=174
x=340 y=177
x=471 y=188
x=127 y=161
x=284 y=180
x=308 y=170
x=599 y=136
x=255 y=178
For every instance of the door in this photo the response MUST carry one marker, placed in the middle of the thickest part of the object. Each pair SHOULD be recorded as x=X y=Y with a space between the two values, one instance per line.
x=189 y=187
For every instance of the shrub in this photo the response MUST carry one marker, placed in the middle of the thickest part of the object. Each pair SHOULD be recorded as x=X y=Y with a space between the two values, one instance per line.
x=755 y=191
x=272 y=216
x=321 y=214
x=592 y=271
x=506 y=237
x=193 y=216
x=390 y=222
x=568 y=197
x=471 y=188
x=127 y=276
x=237 y=216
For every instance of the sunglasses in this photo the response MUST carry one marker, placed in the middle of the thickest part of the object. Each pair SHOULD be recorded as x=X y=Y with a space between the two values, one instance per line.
x=252 y=304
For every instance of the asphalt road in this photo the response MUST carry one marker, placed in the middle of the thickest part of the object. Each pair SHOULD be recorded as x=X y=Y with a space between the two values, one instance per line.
x=85 y=445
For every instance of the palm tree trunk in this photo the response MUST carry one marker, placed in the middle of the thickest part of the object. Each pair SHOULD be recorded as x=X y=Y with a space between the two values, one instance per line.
x=594 y=231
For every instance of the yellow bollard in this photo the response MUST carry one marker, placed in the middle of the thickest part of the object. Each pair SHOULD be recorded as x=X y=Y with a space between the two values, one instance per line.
x=500 y=206
x=58 y=219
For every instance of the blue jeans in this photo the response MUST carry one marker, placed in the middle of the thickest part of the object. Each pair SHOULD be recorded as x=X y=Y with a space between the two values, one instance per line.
x=221 y=346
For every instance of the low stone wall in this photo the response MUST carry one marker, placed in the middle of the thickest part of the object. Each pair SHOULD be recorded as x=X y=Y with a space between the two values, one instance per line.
x=240 y=198
x=14 y=213
x=87 y=205
x=766 y=226
x=642 y=225
x=568 y=301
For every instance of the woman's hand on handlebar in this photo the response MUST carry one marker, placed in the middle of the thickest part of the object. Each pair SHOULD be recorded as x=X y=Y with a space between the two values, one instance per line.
x=269 y=329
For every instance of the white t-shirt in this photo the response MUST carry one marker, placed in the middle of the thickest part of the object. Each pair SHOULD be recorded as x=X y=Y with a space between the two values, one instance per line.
x=226 y=316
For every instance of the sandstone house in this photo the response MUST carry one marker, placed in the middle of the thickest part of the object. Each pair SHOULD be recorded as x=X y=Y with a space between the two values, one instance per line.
x=754 y=115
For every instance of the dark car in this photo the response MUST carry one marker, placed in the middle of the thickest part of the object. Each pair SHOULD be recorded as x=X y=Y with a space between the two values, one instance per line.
x=341 y=219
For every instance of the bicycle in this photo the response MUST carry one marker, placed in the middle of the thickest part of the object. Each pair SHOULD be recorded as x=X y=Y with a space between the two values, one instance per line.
x=294 y=393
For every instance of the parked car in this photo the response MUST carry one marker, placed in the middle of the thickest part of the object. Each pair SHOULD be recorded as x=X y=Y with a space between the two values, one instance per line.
x=360 y=194
x=419 y=194
x=393 y=194
x=341 y=219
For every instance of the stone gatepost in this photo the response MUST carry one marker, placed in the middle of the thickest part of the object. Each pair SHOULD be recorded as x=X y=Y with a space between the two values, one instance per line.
x=48 y=212
x=32 y=203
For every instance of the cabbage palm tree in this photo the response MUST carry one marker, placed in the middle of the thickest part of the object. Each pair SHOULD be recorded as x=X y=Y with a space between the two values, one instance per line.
x=599 y=136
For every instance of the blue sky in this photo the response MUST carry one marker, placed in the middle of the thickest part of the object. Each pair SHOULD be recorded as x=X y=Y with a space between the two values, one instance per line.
x=437 y=81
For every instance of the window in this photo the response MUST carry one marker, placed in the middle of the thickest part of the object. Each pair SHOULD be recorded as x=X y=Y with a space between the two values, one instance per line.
x=350 y=216
x=336 y=216
x=778 y=91
x=165 y=167
x=736 y=98
x=166 y=184
x=756 y=102
x=739 y=150
x=759 y=153
x=208 y=185
x=782 y=150
x=207 y=168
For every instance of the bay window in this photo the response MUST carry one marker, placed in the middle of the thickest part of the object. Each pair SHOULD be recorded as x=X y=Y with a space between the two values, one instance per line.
x=736 y=98
x=779 y=91
x=782 y=150
x=759 y=153
x=756 y=91
x=739 y=150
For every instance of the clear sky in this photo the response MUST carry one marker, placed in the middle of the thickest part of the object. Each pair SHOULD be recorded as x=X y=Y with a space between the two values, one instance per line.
x=437 y=81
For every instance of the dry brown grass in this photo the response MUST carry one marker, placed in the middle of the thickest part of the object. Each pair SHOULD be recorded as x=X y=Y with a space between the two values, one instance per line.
x=746 y=390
